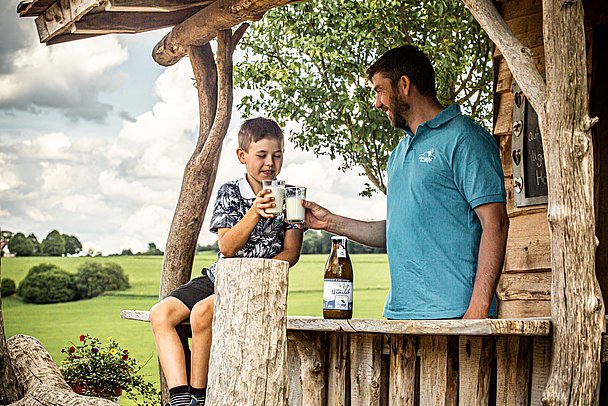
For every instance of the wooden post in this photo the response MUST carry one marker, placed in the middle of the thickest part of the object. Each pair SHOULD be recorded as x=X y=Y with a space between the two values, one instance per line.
x=577 y=307
x=248 y=363
x=307 y=368
x=10 y=387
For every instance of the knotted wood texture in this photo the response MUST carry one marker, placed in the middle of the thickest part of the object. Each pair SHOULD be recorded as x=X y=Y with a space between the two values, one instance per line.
x=248 y=363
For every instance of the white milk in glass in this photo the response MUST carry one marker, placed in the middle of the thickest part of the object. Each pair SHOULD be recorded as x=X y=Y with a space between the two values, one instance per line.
x=277 y=190
x=293 y=204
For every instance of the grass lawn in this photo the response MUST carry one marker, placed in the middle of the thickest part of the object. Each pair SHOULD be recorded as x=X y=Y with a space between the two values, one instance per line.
x=56 y=325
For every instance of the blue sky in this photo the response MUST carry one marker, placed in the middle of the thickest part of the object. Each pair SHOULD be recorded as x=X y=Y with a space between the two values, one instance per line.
x=94 y=136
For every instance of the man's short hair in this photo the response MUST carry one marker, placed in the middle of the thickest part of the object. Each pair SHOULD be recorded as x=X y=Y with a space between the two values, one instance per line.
x=410 y=61
x=256 y=129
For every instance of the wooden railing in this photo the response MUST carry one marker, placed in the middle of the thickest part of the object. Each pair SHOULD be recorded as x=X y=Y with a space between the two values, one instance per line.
x=415 y=362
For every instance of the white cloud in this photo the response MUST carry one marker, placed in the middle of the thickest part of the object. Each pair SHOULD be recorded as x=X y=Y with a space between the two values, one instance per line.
x=50 y=146
x=37 y=215
x=84 y=204
x=4 y=212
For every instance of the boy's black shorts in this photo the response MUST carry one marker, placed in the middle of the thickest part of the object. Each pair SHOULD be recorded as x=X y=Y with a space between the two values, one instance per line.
x=194 y=291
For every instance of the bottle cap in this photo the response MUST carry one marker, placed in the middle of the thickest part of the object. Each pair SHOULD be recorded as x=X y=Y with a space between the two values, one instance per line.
x=339 y=238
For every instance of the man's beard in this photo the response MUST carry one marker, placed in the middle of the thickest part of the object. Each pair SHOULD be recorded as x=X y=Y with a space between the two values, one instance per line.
x=399 y=108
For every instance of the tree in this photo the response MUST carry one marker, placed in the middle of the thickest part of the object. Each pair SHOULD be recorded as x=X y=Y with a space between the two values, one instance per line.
x=308 y=63
x=72 y=244
x=53 y=244
x=32 y=237
x=152 y=250
x=127 y=252
x=20 y=245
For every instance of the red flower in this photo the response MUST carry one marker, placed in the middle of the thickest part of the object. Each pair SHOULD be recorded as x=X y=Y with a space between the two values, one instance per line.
x=125 y=357
x=82 y=337
x=72 y=349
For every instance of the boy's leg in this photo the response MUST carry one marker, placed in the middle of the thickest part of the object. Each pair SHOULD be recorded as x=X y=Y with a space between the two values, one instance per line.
x=164 y=317
x=201 y=320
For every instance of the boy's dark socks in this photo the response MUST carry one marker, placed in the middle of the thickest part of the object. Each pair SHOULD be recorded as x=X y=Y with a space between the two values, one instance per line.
x=199 y=394
x=179 y=396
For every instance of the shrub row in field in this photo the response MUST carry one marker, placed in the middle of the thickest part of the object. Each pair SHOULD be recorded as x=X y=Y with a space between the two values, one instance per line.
x=47 y=283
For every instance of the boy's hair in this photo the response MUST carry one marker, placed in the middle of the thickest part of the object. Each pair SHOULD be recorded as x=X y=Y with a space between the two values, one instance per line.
x=256 y=129
x=406 y=60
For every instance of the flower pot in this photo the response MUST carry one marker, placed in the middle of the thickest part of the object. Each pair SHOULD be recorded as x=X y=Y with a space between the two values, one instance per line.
x=98 y=392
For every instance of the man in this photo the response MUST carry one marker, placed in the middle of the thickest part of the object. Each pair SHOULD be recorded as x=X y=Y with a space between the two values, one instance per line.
x=446 y=226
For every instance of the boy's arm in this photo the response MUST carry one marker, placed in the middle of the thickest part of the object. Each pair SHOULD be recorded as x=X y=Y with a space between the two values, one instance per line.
x=292 y=246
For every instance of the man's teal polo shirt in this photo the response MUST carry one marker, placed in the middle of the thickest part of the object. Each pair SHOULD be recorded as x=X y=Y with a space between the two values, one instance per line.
x=435 y=180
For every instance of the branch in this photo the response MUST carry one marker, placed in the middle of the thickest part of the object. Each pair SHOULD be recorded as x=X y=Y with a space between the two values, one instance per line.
x=205 y=72
x=203 y=26
x=517 y=56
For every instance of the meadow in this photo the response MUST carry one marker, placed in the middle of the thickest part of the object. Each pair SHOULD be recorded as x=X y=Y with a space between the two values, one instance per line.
x=57 y=325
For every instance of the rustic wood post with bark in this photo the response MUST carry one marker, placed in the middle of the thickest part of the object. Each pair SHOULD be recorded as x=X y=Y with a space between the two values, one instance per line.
x=215 y=94
x=248 y=365
x=10 y=388
x=562 y=106
x=577 y=307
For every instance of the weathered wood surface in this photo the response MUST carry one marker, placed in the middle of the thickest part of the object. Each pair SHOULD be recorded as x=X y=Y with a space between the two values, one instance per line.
x=248 y=364
x=365 y=368
x=61 y=15
x=504 y=119
x=339 y=344
x=518 y=57
x=525 y=286
x=204 y=25
x=402 y=380
x=475 y=355
x=525 y=308
x=43 y=383
x=140 y=6
x=578 y=308
x=528 y=245
x=307 y=369
x=523 y=326
x=10 y=388
x=541 y=364
x=513 y=359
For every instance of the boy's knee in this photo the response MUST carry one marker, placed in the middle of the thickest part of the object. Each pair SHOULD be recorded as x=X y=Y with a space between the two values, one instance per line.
x=201 y=317
x=160 y=313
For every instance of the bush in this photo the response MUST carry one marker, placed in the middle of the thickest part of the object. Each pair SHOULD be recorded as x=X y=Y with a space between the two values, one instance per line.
x=92 y=279
x=46 y=283
x=7 y=287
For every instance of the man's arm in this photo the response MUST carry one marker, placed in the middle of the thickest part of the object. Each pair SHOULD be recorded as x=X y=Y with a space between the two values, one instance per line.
x=495 y=228
x=370 y=233
x=292 y=246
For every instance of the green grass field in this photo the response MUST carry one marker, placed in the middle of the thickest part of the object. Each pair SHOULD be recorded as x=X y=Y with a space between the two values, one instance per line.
x=56 y=325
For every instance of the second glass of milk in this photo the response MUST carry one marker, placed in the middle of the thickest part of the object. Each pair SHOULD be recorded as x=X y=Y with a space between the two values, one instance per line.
x=277 y=190
x=293 y=204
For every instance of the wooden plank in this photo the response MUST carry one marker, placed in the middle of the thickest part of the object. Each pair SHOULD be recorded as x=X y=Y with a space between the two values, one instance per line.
x=520 y=8
x=365 y=369
x=433 y=370
x=475 y=370
x=141 y=6
x=528 y=245
x=513 y=211
x=504 y=148
x=504 y=116
x=524 y=308
x=402 y=371
x=337 y=369
x=33 y=8
x=513 y=356
x=306 y=369
x=523 y=326
x=504 y=78
x=129 y=23
x=604 y=354
x=452 y=378
x=541 y=366
x=525 y=286
x=61 y=16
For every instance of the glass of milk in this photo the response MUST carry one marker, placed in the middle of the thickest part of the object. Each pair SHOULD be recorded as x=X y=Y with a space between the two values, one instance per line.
x=293 y=204
x=277 y=190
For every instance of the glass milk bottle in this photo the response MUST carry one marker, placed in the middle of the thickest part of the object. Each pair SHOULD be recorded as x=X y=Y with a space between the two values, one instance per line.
x=338 y=282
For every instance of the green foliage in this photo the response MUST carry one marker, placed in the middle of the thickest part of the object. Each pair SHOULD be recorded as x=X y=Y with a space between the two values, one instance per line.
x=7 y=287
x=152 y=250
x=72 y=244
x=53 y=245
x=308 y=62
x=210 y=247
x=104 y=369
x=32 y=237
x=93 y=278
x=20 y=245
x=319 y=242
x=46 y=283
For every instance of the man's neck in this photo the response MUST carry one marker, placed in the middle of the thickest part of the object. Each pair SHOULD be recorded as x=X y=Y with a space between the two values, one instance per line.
x=425 y=109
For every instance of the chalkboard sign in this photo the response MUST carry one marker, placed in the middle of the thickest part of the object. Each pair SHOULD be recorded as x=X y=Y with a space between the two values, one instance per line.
x=529 y=172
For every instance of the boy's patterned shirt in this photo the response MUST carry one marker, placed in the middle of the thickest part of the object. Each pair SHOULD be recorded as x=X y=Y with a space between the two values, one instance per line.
x=233 y=201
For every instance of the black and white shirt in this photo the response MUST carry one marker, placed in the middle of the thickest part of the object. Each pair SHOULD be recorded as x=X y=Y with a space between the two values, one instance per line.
x=233 y=201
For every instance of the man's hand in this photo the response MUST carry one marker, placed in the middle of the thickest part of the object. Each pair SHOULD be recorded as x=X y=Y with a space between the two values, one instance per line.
x=317 y=217
x=476 y=312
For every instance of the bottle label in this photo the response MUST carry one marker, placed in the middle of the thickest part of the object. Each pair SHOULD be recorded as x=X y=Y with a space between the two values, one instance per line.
x=337 y=294
x=341 y=252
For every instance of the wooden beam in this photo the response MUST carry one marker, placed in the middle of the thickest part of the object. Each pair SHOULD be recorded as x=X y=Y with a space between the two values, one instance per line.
x=142 y=6
x=128 y=23
x=518 y=57
x=61 y=16
x=203 y=26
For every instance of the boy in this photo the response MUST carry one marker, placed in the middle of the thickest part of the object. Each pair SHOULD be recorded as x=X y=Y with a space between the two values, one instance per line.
x=244 y=230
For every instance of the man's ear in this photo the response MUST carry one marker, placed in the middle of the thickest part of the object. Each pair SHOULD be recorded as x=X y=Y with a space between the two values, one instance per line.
x=405 y=85
x=240 y=154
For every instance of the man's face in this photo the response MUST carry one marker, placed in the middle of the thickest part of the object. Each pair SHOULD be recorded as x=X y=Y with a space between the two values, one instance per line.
x=391 y=100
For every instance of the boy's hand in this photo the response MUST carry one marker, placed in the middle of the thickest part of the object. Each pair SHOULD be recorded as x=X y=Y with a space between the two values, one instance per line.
x=317 y=217
x=262 y=202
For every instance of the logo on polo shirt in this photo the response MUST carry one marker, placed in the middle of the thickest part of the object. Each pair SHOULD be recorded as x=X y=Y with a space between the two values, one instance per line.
x=427 y=157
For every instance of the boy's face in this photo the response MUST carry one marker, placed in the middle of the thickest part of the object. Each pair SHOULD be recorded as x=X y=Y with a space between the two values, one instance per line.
x=263 y=159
